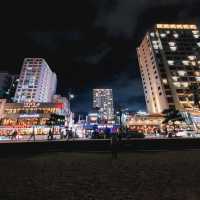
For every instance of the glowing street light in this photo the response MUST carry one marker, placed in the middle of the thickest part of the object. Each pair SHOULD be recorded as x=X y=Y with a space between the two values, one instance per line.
x=71 y=96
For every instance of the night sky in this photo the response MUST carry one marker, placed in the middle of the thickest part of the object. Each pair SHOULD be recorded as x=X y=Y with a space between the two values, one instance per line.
x=88 y=43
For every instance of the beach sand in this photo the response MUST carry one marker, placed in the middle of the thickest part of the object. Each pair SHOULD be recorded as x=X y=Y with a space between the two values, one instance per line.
x=142 y=176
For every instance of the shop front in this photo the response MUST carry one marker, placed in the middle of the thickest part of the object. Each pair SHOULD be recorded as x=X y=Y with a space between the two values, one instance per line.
x=28 y=117
x=147 y=124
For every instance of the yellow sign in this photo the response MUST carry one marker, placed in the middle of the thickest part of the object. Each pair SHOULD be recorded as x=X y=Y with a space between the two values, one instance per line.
x=31 y=104
x=176 y=26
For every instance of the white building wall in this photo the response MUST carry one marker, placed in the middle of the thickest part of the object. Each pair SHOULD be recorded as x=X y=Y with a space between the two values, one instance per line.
x=35 y=82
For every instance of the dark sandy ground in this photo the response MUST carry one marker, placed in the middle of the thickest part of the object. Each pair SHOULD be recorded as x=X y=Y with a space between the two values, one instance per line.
x=142 y=176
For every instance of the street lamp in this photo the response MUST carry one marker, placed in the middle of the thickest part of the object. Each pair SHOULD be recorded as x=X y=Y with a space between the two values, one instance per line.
x=71 y=96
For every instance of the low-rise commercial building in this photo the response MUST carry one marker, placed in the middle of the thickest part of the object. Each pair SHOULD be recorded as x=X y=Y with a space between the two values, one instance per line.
x=26 y=116
x=145 y=123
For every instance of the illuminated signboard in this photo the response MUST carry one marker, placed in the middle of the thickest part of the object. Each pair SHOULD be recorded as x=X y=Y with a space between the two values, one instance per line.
x=176 y=26
x=59 y=105
x=196 y=119
x=29 y=116
x=31 y=104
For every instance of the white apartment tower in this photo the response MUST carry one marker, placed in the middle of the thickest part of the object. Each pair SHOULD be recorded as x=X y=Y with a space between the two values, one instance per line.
x=103 y=100
x=37 y=83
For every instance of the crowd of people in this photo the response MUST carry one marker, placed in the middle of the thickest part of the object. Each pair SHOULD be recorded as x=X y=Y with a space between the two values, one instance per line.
x=51 y=135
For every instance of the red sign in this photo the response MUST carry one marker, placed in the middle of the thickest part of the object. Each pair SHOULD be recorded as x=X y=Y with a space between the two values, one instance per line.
x=60 y=105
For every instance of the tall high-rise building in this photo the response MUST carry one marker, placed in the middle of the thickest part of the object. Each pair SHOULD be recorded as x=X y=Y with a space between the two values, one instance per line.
x=37 y=82
x=5 y=81
x=12 y=88
x=8 y=84
x=169 y=60
x=103 y=101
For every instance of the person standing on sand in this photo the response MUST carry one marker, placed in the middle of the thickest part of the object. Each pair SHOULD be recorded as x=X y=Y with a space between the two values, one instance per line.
x=114 y=145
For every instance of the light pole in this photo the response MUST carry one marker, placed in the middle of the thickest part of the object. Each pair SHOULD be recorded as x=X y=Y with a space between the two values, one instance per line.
x=119 y=113
x=70 y=98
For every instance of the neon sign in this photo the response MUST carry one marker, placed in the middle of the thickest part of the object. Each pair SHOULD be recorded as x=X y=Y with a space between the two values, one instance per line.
x=31 y=104
x=176 y=26
x=29 y=116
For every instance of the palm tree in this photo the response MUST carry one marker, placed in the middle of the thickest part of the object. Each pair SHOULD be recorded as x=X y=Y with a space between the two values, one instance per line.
x=172 y=115
x=195 y=92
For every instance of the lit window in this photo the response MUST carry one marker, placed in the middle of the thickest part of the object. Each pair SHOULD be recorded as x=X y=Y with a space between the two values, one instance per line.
x=193 y=63
x=177 y=84
x=185 y=62
x=170 y=62
x=164 y=81
x=176 y=35
x=173 y=48
x=172 y=44
x=195 y=32
x=181 y=73
x=155 y=47
x=163 y=35
x=175 y=78
x=185 y=84
x=154 y=42
x=198 y=44
x=191 y=57
x=197 y=73
x=197 y=79
x=152 y=34
x=197 y=36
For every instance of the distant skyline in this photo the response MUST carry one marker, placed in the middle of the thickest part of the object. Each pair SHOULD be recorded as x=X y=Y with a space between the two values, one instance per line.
x=89 y=44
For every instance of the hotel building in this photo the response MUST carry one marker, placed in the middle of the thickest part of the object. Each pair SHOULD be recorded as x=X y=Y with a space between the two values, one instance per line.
x=37 y=83
x=103 y=101
x=169 y=61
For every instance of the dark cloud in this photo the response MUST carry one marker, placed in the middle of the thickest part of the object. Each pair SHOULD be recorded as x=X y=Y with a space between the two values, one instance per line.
x=54 y=40
x=121 y=18
x=89 y=44
x=95 y=55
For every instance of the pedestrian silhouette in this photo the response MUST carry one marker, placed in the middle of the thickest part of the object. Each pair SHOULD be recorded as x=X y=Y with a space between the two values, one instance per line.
x=32 y=135
x=50 y=135
x=114 y=146
x=14 y=135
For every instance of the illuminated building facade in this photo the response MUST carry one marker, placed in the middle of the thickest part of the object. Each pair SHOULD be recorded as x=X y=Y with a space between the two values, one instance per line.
x=169 y=60
x=29 y=114
x=37 y=83
x=103 y=101
x=93 y=118
x=2 y=107
x=66 y=111
x=144 y=123
x=24 y=116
